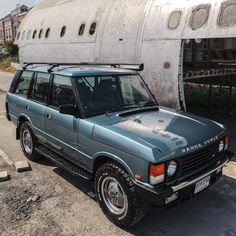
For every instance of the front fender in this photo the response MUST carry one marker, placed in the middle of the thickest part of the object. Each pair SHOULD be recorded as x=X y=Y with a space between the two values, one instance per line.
x=115 y=158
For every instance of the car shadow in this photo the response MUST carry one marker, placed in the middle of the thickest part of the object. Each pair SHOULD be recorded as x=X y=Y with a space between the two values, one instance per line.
x=80 y=183
x=44 y=161
x=212 y=212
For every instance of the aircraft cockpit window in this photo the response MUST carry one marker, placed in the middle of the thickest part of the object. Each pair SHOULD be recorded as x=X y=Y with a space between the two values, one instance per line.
x=40 y=33
x=34 y=34
x=81 y=29
x=200 y=16
x=63 y=31
x=23 y=36
x=28 y=34
x=92 y=28
x=174 y=19
x=18 y=35
x=227 y=16
x=47 y=33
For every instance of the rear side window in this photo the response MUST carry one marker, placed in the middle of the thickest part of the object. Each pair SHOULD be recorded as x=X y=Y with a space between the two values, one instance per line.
x=40 y=87
x=23 y=84
x=227 y=16
x=200 y=16
x=15 y=81
x=62 y=93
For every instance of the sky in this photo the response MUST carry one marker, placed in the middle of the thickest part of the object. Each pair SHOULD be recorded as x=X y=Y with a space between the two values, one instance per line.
x=7 y=5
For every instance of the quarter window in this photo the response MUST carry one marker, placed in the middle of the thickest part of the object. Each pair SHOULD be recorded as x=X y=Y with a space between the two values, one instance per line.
x=23 y=84
x=40 y=88
x=81 y=29
x=63 y=31
x=200 y=16
x=227 y=15
x=40 y=33
x=92 y=28
x=47 y=33
x=62 y=92
x=23 y=36
x=28 y=34
x=174 y=19
x=34 y=34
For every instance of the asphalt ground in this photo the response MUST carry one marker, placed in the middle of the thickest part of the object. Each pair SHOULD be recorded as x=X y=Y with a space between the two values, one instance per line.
x=65 y=206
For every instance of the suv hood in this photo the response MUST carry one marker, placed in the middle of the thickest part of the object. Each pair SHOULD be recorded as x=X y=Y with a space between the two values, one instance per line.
x=156 y=135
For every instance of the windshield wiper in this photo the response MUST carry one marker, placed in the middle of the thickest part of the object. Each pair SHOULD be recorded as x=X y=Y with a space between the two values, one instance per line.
x=149 y=103
x=122 y=107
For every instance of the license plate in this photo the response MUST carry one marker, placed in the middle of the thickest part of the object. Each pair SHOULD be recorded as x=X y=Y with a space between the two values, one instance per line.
x=202 y=184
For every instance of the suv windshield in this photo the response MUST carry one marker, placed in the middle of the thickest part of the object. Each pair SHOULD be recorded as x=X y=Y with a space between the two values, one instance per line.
x=104 y=94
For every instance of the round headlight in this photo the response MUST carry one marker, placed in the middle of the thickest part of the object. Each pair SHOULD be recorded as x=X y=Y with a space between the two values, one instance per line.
x=172 y=168
x=221 y=146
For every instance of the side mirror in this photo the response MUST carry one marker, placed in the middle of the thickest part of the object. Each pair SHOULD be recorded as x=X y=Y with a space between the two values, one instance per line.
x=68 y=109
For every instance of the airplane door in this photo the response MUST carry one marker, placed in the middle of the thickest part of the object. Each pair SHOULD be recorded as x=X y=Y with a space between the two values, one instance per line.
x=121 y=31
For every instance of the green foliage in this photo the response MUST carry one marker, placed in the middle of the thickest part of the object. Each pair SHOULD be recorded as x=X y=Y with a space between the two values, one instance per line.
x=11 y=48
x=196 y=95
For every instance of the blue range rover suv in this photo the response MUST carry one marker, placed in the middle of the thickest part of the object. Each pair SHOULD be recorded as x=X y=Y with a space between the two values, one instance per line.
x=102 y=123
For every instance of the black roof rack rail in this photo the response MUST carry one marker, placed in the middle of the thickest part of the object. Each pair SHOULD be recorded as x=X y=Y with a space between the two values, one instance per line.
x=26 y=65
x=130 y=66
x=52 y=65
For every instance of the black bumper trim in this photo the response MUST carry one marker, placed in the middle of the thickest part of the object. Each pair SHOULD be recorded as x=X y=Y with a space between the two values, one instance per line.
x=158 y=195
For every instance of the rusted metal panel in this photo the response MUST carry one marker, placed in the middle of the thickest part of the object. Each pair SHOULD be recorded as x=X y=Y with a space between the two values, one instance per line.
x=161 y=79
x=121 y=31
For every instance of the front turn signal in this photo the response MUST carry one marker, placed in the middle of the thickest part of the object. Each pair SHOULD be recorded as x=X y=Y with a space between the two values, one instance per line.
x=226 y=142
x=157 y=174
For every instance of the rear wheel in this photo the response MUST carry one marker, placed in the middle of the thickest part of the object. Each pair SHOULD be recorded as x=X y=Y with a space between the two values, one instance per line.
x=28 y=141
x=117 y=197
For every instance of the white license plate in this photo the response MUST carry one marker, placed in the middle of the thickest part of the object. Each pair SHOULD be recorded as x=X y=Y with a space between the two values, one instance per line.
x=202 y=184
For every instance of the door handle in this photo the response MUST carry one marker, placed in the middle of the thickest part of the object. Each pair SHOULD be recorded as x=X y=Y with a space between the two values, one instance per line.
x=27 y=108
x=49 y=116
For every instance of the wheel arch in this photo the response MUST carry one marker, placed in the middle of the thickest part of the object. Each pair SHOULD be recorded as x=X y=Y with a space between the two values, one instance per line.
x=102 y=158
x=20 y=121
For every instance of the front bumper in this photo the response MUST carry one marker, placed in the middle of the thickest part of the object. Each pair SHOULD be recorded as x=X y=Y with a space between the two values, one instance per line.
x=159 y=195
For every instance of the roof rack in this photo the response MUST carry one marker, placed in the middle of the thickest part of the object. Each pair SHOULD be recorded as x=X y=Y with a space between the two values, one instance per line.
x=135 y=67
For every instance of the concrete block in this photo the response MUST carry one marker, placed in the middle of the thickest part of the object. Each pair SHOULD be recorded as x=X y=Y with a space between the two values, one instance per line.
x=22 y=166
x=3 y=176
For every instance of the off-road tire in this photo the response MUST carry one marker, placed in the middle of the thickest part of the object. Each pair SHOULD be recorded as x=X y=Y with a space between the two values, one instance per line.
x=136 y=207
x=33 y=156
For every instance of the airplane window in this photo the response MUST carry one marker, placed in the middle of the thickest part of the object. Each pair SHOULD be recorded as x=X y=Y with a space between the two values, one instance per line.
x=18 y=35
x=63 y=31
x=174 y=19
x=28 y=34
x=200 y=16
x=81 y=29
x=23 y=36
x=47 y=33
x=40 y=33
x=227 y=15
x=34 y=34
x=92 y=28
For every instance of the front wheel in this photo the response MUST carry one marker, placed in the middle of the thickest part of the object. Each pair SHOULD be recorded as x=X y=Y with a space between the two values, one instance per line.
x=117 y=196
